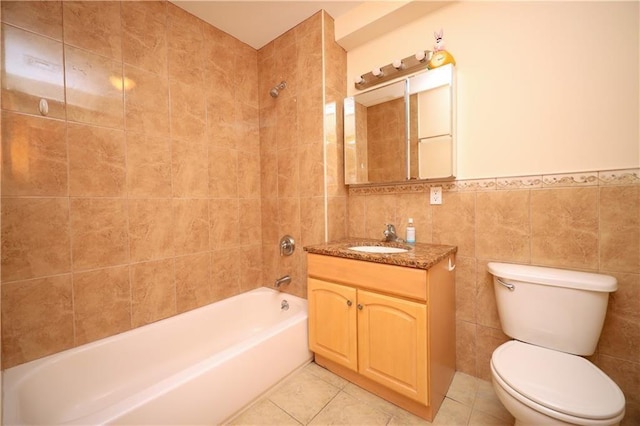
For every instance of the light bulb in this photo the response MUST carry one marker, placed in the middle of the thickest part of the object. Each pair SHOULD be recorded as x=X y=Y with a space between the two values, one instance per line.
x=421 y=55
x=398 y=64
x=358 y=80
x=377 y=72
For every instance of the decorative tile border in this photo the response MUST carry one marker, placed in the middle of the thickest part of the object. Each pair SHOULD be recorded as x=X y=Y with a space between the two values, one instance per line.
x=620 y=177
x=524 y=182
x=572 y=179
x=563 y=180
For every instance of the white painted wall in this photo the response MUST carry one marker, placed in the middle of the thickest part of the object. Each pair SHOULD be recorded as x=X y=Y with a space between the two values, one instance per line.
x=543 y=87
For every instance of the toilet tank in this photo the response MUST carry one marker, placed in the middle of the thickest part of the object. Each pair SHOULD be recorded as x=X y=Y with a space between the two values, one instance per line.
x=555 y=308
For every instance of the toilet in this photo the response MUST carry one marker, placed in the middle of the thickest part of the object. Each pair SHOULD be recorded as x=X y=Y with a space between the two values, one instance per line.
x=555 y=317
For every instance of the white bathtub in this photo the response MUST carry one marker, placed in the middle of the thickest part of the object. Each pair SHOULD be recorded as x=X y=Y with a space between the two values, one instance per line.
x=199 y=367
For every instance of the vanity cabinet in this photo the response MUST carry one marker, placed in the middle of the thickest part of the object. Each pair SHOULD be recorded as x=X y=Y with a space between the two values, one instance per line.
x=389 y=329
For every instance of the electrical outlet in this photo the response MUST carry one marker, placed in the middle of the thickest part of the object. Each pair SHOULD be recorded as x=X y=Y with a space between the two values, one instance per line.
x=436 y=195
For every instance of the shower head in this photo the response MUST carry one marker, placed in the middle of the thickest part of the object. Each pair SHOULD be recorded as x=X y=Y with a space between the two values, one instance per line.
x=276 y=90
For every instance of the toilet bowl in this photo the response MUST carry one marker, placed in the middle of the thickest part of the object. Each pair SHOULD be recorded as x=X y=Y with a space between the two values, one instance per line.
x=540 y=386
x=554 y=317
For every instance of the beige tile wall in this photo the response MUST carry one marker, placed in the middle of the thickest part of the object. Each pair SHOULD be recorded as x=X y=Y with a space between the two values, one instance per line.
x=587 y=222
x=296 y=181
x=138 y=196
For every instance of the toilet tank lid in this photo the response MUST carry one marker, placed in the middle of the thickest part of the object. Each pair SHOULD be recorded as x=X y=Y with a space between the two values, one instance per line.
x=554 y=277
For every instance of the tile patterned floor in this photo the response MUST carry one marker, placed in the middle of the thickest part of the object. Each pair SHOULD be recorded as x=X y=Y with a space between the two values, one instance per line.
x=315 y=396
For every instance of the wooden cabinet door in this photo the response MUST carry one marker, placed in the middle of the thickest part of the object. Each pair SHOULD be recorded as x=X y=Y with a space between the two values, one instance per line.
x=392 y=343
x=332 y=322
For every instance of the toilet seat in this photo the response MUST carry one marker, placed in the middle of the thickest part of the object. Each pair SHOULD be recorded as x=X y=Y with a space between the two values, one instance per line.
x=558 y=382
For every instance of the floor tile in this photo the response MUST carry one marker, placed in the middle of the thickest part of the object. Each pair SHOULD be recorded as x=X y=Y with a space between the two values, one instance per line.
x=264 y=412
x=345 y=409
x=315 y=396
x=487 y=402
x=303 y=395
x=452 y=413
x=463 y=389
x=326 y=375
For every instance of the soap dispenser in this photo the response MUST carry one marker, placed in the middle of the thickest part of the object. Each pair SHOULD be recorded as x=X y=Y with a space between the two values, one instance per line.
x=411 y=232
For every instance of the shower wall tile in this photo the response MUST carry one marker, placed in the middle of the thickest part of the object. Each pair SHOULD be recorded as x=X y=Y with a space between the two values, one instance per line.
x=248 y=129
x=35 y=238
x=159 y=161
x=102 y=303
x=225 y=273
x=223 y=173
x=94 y=26
x=188 y=111
x=185 y=46
x=42 y=17
x=93 y=88
x=219 y=56
x=246 y=75
x=190 y=168
x=286 y=120
x=193 y=286
x=221 y=120
x=224 y=223
x=564 y=227
x=148 y=165
x=146 y=102
x=144 y=35
x=311 y=170
x=289 y=217
x=153 y=291
x=288 y=173
x=22 y=92
x=37 y=318
x=249 y=221
x=34 y=162
x=251 y=268
x=191 y=226
x=151 y=234
x=97 y=163
x=99 y=232
x=312 y=228
x=248 y=175
x=269 y=216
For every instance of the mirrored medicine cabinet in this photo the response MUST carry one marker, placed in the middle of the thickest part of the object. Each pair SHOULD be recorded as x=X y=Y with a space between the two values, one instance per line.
x=402 y=131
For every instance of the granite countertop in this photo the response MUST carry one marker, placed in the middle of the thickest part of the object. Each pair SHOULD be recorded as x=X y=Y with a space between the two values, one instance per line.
x=420 y=255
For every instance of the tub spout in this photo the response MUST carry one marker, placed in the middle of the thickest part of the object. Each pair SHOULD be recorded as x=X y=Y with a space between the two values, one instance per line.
x=282 y=280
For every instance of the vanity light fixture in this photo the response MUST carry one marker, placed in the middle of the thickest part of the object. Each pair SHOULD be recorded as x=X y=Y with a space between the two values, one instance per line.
x=398 y=68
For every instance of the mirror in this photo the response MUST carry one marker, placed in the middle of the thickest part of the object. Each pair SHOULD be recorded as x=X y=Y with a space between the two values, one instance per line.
x=402 y=131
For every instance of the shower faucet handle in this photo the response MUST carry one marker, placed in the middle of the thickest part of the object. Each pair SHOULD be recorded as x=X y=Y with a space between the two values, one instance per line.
x=287 y=245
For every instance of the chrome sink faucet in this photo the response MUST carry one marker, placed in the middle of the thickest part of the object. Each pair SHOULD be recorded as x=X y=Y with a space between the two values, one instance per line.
x=390 y=233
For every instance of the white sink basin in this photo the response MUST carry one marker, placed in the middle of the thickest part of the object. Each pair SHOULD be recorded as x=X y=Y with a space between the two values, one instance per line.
x=378 y=249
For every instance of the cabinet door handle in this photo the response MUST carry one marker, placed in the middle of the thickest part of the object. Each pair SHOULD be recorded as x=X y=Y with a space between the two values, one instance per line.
x=349 y=303
x=360 y=306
